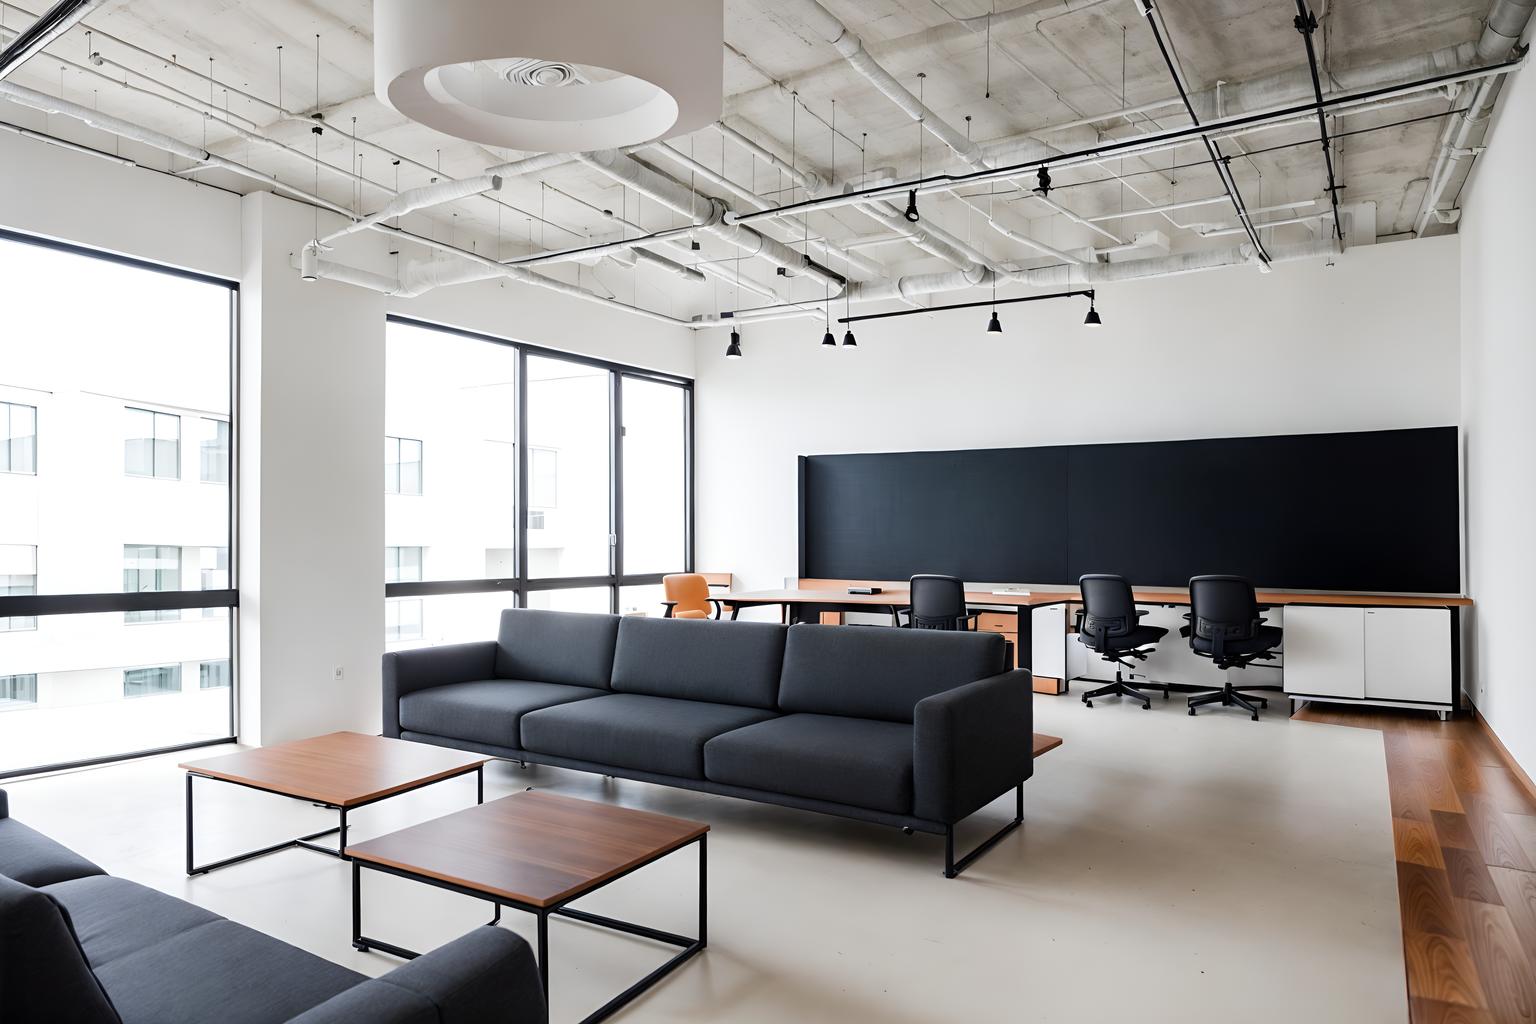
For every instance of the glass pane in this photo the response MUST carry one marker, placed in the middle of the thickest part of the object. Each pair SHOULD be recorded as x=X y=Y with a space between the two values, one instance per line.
x=583 y=599
x=83 y=708
x=213 y=674
x=568 y=421
x=18 y=578
x=450 y=619
x=644 y=600
x=655 y=477
x=458 y=397
x=117 y=365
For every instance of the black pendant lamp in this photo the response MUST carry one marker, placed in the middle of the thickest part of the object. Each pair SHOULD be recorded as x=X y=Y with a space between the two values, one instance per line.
x=733 y=350
x=1093 y=314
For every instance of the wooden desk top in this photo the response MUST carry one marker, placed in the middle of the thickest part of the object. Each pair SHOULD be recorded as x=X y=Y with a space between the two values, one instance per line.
x=892 y=597
x=535 y=848
x=342 y=769
x=1044 y=743
x=1059 y=595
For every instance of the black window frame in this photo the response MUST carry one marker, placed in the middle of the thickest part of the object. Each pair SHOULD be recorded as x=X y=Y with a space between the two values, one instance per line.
x=521 y=584
x=165 y=600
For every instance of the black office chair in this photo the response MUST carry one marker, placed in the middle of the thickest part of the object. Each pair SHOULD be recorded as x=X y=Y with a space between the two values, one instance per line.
x=1225 y=626
x=938 y=602
x=1109 y=625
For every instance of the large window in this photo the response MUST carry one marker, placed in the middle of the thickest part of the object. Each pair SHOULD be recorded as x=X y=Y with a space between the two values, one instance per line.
x=18 y=438
x=116 y=370
x=557 y=481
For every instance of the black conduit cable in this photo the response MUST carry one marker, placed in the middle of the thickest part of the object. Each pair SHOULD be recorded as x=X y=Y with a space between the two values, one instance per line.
x=1306 y=24
x=1219 y=160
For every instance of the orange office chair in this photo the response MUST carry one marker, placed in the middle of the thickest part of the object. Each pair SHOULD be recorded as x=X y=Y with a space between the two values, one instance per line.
x=690 y=591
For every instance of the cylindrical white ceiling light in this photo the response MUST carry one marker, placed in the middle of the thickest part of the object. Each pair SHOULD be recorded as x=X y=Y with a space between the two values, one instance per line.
x=551 y=76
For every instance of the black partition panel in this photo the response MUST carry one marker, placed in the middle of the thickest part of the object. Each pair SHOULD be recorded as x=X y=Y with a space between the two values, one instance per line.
x=1365 y=511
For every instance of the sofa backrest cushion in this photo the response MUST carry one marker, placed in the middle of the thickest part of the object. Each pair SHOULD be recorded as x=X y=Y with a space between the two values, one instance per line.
x=700 y=659
x=31 y=858
x=43 y=972
x=556 y=647
x=880 y=672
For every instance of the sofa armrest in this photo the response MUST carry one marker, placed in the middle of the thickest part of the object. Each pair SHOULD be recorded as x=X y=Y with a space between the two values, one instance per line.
x=5 y=805
x=972 y=744
x=408 y=671
x=487 y=976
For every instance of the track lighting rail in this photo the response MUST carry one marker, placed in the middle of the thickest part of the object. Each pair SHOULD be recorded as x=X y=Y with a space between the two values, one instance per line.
x=1086 y=292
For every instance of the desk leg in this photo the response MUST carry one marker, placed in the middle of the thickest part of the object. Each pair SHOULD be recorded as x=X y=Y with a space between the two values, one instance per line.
x=1023 y=632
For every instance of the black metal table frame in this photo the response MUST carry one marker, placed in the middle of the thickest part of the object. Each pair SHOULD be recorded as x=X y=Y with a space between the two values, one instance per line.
x=307 y=842
x=363 y=943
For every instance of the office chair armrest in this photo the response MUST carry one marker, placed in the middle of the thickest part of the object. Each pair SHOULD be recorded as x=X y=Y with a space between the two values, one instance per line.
x=971 y=620
x=971 y=744
x=425 y=667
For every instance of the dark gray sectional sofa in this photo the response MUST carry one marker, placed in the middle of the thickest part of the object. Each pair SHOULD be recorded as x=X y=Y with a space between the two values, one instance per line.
x=911 y=728
x=78 y=946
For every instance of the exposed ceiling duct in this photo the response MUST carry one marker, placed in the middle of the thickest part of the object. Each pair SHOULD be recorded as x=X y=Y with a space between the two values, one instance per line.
x=50 y=25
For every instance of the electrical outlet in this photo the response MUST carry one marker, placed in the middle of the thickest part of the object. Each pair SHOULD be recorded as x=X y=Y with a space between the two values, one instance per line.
x=338 y=673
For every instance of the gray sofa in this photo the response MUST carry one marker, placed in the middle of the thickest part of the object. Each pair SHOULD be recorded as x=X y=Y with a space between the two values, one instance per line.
x=911 y=728
x=78 y=946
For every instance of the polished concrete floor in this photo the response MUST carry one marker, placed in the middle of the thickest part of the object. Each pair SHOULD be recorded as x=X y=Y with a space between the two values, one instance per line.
x=1170 y=869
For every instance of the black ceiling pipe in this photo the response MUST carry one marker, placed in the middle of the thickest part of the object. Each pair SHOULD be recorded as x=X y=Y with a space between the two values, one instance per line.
x=1306 y=24
x=38 y=34
x=1219 y=160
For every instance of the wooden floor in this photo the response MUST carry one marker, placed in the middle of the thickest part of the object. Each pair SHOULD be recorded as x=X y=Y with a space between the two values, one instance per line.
x=1465 y=837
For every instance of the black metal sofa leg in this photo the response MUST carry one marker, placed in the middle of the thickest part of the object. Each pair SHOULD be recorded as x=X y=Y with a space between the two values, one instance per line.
x=953 y=867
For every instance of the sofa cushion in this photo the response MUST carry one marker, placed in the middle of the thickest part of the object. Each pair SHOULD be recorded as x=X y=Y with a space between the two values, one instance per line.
x=483 y=711
x=575 y=648
x=224 y=972
x=114 y=917
x=31 y=858
x=723 y=662
x=853 y=761
x=629 y=730
x=880 y=673
x=43 y=974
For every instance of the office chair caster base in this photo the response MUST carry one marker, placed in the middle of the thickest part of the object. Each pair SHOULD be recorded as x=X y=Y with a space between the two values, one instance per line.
x=1118 y=688
x=1227 y=697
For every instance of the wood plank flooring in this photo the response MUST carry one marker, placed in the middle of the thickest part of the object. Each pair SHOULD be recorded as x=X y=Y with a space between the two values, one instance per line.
x=1464 y=830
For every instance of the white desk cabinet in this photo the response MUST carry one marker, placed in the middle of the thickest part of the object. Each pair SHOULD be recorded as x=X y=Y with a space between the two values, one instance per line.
x=1375 y=655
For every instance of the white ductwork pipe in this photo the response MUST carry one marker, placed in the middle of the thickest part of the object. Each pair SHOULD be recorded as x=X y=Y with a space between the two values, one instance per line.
x=532 y=164
x=670 y=266
x=1463 y=137
x=706 y=213
x=421 y=198
x=813 y=183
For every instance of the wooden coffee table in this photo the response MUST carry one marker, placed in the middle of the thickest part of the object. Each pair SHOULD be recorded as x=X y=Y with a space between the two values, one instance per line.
x=536 y=852
x=341 y=771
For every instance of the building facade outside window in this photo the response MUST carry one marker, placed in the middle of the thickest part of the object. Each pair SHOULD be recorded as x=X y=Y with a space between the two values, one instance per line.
x=152 y=444
x=15 y=690
x=146 y=682
x=402 y=465
x=18 y=438
x=213 y=451
x=18 y=578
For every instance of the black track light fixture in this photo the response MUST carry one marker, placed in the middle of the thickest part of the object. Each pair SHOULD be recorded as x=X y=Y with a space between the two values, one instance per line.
x=1093 y=314
x=1043 y=178
x=994 y=326
x=733 y=350
x=911 y=213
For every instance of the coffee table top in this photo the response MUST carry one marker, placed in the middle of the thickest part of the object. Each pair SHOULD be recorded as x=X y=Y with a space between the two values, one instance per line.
x=535 y=848
x=342 y=769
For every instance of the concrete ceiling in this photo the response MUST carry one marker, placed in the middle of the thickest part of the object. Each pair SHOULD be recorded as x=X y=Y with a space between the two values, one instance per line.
x=1062 y=67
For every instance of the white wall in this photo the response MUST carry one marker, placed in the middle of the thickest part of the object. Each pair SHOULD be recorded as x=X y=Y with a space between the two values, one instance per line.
x=1370 y=343
x=1499 y=417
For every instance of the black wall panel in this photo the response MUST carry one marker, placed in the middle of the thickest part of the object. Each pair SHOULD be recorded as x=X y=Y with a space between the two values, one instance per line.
x=1366 y=511
x=986 y=514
